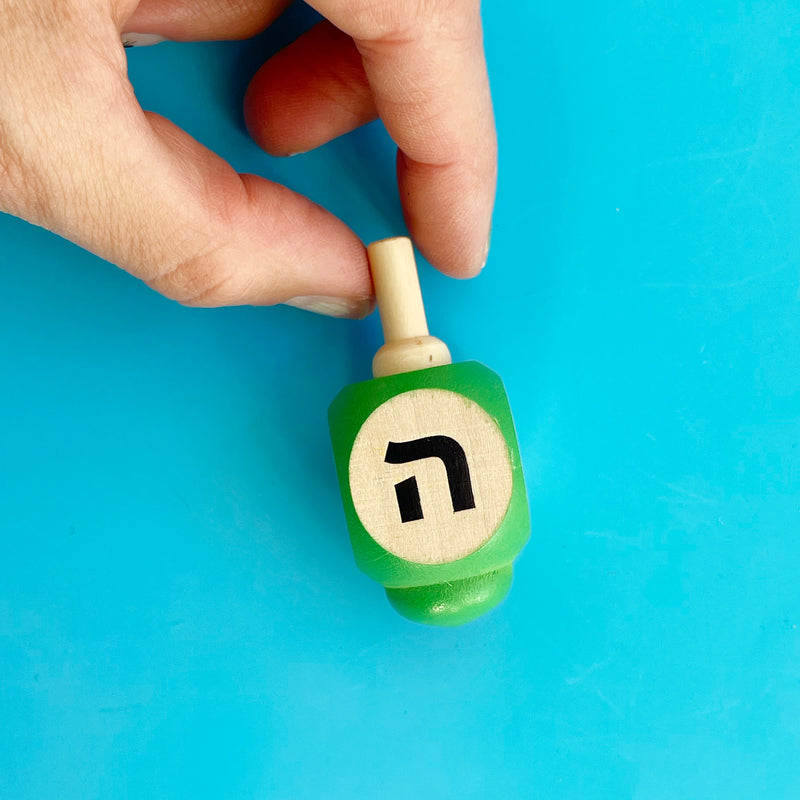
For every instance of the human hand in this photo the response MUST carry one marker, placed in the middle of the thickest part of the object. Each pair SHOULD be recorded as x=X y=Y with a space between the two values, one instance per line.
x=80 y=157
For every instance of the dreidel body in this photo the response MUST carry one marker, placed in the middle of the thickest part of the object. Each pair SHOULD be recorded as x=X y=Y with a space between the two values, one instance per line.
x=428 y=463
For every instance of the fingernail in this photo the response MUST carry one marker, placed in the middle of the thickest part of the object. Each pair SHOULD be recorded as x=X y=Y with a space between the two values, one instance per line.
x=485 y=254
x=141 y=39
x=351 y=308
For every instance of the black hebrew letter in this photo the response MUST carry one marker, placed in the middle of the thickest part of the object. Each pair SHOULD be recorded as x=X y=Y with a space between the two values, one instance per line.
x=408 y=500
x=454 y=459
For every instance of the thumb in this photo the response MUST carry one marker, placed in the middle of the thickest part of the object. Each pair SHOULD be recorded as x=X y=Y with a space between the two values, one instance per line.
x=81 y=158
x=236 y=239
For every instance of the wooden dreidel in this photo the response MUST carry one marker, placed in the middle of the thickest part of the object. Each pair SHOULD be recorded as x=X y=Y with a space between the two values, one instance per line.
x=428 y=463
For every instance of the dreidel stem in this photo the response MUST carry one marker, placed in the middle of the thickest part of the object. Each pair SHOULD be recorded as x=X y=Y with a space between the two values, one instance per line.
x=408 y=345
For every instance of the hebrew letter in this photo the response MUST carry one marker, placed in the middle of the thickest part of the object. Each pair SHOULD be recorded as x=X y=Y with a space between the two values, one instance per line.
x=408 y=500
x=454 y=459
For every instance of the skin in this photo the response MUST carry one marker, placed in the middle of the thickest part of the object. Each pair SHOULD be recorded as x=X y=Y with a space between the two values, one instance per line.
x=79 y=156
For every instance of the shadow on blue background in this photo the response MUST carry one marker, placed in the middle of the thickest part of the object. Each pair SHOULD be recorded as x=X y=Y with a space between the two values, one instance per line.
x=180 y=615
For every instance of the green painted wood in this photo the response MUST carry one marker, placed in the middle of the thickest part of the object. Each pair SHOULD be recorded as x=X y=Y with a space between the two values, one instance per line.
x=478 y=593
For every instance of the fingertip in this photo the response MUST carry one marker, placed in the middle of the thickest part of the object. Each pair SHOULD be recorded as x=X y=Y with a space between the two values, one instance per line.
x=448 y=210
x=450 y=257
x=454 y=265
x=273 y=115
x=309 y=93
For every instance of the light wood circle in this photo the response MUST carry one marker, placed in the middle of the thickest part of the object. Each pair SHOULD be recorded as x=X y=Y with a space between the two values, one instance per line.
x=442 y=535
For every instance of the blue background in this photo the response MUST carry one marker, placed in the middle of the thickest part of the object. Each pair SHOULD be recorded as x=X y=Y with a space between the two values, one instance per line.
x=180 y=615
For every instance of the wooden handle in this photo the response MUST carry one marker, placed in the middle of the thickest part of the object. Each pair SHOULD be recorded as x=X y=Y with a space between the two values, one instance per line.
x=408 y=345
x=394 y=275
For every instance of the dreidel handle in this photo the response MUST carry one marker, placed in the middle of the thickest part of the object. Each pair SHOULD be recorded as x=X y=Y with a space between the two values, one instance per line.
x=408 y=345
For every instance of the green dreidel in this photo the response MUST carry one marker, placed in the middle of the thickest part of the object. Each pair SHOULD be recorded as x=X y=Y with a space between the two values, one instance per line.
x=428 y=463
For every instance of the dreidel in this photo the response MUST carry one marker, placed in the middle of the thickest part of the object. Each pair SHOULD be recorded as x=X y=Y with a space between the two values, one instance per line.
x=428 y=463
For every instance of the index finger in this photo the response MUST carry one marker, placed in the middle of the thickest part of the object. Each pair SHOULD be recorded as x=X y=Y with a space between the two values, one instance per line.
x=425 y=64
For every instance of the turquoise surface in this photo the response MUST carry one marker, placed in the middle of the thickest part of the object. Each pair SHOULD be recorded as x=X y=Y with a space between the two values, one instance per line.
x=180 y=613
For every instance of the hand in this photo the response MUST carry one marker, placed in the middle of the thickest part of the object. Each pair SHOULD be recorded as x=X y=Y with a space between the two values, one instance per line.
x=80 y=157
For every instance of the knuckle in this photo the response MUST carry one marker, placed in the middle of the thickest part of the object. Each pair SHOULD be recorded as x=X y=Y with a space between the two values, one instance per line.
x=213 y=261
x=201 y=280
x=23 y=192
x=392 y=22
